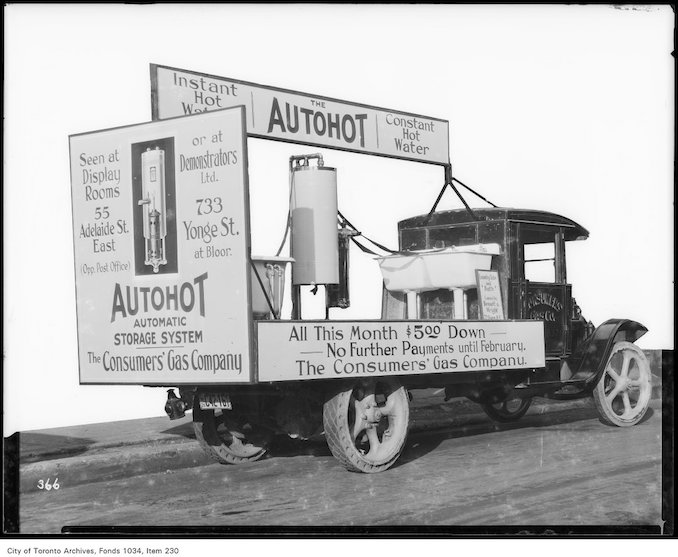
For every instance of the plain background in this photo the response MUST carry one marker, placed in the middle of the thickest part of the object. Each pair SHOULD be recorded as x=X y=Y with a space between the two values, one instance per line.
x=562 y=108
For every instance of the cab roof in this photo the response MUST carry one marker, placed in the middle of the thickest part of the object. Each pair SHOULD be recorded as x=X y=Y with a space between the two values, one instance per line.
x=573 y=231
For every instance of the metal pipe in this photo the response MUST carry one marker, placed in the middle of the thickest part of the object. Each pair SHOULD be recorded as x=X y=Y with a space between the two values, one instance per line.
x=306 y=158
x=296 y=302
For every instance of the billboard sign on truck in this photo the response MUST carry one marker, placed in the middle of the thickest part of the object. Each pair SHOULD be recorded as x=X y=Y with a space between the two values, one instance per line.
x=305 y=350
x=284 y=115
x=161 y=240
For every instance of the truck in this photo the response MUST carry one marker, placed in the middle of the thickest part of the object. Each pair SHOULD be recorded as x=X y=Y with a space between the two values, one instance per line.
x=365 y=420
x=474 y=301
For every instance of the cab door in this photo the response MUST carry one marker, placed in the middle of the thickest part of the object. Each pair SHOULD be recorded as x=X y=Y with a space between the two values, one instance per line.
x=539 y=284
x=550 y=303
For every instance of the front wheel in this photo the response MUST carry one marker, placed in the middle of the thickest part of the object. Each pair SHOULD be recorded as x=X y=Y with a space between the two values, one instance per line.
x=366 y=425
x=508 y=410
x=623 y=392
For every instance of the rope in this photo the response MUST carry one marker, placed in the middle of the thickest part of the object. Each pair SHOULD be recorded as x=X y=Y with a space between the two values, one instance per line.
x=364 y=248
x=474 y=192
x=449 y=182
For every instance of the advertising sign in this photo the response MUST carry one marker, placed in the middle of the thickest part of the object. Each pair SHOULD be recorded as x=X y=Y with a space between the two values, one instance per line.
x=489 y=294
x=284 y=115
x=302 y=350
x=161 y=240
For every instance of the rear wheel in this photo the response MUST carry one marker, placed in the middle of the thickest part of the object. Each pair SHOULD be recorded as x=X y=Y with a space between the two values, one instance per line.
x=508 y=410
x=622 y=394
x=227 y=437
x=366 y=425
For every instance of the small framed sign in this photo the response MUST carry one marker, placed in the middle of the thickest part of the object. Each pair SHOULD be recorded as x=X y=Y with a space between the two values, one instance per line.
x=489 y=295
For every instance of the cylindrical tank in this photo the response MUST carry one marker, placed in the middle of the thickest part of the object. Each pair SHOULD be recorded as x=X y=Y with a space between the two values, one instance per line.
x=314 y=225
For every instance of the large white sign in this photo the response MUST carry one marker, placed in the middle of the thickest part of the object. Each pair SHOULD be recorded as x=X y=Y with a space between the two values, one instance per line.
x=161 y=237
x=301 y=350
x=274 y=113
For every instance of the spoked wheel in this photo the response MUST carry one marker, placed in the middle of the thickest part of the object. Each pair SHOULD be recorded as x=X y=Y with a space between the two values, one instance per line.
x=366 y=426
x=509 y=410
x=228 y=438
x=622 y=395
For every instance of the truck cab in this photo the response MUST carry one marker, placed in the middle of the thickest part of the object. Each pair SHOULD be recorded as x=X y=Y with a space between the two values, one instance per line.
x=532 y=270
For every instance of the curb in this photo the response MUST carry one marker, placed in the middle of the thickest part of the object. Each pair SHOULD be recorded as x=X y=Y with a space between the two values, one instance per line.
x=116 y=461
x=113 y=465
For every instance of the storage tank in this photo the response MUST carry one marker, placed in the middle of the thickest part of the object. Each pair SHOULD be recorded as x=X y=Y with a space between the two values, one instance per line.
x=314 y=225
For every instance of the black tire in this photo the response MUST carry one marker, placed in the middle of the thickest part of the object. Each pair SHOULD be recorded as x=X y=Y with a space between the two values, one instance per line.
x=508 y=410
x=366 y=426
x=225 y=438
x=622 y=395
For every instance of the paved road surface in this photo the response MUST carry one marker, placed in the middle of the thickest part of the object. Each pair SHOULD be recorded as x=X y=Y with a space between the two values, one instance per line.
x=558 y=465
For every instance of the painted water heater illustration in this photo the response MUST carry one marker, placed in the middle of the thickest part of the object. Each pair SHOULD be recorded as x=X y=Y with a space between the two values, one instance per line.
x=153 y=203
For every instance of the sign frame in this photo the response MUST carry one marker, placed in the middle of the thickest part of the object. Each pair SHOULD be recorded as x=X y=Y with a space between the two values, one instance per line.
x=249 y=371
x=156 y=116
x=484 y=295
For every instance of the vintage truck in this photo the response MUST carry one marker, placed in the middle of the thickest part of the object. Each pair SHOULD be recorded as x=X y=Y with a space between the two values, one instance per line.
x=475 y=302
x=365 y=420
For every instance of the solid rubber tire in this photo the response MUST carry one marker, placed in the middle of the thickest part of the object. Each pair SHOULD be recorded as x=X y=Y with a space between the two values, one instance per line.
x=339 y=437
x=607 y=414
x=499 y=416
x=211 y=442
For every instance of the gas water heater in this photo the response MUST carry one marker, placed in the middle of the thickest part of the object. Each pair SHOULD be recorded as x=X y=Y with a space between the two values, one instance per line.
x=313 y=209
x=153 y=201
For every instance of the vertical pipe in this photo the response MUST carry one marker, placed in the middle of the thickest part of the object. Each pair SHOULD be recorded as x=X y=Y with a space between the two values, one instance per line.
x=296 y=302
x=458 y=303
x=561 y=272
x=412 y=305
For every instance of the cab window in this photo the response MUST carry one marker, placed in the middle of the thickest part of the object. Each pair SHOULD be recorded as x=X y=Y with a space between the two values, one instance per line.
x=454 y=236
x=543 y=254
x=540 y=262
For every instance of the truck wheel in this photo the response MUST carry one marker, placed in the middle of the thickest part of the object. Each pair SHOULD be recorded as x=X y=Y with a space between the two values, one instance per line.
x=623 y=392
x=508 y=410
x=366 y=426
x=225 y=438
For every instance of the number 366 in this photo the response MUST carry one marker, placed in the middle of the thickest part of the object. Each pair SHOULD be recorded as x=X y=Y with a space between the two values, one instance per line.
x=42 y=484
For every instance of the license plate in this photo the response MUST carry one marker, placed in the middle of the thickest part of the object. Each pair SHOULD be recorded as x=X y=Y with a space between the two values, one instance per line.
x=215 y=401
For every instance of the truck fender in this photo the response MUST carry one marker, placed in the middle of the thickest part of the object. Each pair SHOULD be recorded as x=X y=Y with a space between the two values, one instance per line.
x=597 y=348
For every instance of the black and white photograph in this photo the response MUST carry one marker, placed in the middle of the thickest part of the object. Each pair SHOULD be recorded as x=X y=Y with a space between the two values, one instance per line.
x=336 y=271
x=153 y=207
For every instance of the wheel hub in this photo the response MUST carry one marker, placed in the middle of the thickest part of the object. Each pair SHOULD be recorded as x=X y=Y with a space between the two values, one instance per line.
x=623 y=384
x=372 y=415
x=366 y=426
